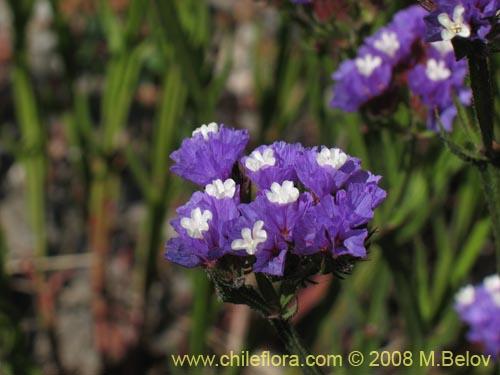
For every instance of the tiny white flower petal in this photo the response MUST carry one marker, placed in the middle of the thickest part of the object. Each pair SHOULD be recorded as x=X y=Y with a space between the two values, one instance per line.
x=367 y=64
x=258 y=160
x=454 y=27
x=283 y=194
x=220 y=190
x=443 y=46
x=437 y=70
x=197 y=223
x=251 y=238
x=465 y=296
x=388 y=43
x=205 y=129
x=333 y=157
x=492 y=283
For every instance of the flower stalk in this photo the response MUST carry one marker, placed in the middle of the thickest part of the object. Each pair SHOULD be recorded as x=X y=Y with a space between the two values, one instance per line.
x=482 y=93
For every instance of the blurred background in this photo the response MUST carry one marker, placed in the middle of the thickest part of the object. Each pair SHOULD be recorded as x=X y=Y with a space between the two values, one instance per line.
x=95 y=95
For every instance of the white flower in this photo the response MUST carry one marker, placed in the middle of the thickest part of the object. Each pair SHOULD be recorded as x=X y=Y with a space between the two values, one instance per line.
x=197 y=224
x=437 y=70
x=388 y=43
x=444 y=47
x=283 y=194
x=205 y=129
x=220 y=190
x=256 y=160
x=251 y=238
x=465 y=296
x=454 y=27
x=367 y=64
x=333 y=157
x=492 y=285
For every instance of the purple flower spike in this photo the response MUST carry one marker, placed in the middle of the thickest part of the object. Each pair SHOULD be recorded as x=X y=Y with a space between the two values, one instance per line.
x=479 y=307
x=209 y=154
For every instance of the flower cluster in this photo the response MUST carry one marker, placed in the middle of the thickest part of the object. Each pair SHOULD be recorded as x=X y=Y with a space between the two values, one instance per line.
x=479 y=307
x=469 y=19
x=309 y=201
x=396 y=57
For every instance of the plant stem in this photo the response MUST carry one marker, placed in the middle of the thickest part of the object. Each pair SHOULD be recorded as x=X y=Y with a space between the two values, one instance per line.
x=482 y=93
x=293 y=344
x=490 y=176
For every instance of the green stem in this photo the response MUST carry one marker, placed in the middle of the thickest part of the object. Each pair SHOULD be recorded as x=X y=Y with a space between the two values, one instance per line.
x=482 y=93
x=490 y=176
x=293 y=344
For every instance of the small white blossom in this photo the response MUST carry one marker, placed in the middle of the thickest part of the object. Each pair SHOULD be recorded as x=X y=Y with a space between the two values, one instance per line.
x=251 y=238
x=205 y=129
x=220 y=190
x=283 y=194
x=257 y=160
x=444 y=47
x=455 y=26
x=387 y=43
x=437 y=70
x=197 y=224
x=367 y=64
x=465 y=296
x=492 y=283
x=333 y=157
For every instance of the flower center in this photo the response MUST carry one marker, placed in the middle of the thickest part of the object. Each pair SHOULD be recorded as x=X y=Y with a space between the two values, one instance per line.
x=257 y=160
x=283 y=194
x=197 y=223
x=251 y=238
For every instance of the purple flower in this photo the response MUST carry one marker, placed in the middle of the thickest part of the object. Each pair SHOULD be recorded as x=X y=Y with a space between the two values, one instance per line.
x=360 y=80
x=278 y=210
x=209 y=154
x=468 y=19
x=325 y=172
x=203 y=226
x=274 y=163
x=328 y=215
x=479 y=307
x=396 y=56
x=436 y=81
x=326 y=228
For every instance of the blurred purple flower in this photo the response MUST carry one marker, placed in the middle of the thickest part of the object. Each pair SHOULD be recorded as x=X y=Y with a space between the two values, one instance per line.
x=479 y=307
x=396 y=57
